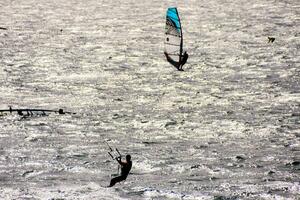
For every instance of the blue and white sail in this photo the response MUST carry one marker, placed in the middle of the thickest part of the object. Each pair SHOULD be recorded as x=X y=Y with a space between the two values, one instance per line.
x=173 y=35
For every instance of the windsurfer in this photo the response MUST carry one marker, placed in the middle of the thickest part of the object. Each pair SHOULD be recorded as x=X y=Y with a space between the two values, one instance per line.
x=183 y=60
x=125 y=169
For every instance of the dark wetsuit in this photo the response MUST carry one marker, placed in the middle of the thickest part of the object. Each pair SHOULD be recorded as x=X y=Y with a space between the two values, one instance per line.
x=125 y=169
x=184 y=59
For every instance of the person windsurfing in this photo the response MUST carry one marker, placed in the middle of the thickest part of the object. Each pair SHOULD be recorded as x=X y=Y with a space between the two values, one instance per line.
x=183 y=60
x=125 y=169
x=173 y=45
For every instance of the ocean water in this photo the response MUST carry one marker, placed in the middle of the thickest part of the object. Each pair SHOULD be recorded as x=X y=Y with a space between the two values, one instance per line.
x=227 y=127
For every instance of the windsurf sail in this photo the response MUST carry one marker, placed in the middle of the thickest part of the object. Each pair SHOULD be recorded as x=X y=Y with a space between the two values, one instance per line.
x=173 y=37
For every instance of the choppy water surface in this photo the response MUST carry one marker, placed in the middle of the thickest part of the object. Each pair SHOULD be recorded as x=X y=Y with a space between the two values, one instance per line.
x=226 y=128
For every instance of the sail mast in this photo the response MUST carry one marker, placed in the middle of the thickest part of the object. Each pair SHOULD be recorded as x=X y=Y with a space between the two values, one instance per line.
x=181 y=39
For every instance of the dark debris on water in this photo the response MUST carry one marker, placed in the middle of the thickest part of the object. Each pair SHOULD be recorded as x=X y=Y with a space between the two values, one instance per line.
x=171 y=123
x=27 y=172
x=240 y=158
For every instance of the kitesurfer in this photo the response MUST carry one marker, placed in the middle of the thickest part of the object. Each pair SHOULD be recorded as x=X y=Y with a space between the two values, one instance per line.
x=125 y=169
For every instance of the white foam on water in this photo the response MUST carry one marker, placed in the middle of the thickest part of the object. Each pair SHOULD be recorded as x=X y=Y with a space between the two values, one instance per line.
x=145 y=167
x=151 y=193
